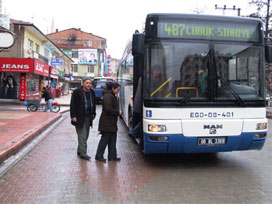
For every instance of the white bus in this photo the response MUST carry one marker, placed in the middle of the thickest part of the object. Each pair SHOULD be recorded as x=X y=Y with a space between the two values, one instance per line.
x=203 y=87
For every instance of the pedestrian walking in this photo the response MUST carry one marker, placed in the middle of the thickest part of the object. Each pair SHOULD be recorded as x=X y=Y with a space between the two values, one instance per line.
x=48 y=100
x=108 y=123
x=83 y=112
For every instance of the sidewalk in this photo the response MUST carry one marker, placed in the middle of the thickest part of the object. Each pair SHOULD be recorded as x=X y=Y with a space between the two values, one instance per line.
x=18 y=126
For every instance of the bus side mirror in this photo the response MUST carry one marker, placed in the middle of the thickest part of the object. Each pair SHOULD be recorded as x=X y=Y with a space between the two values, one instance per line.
x=138 y=44
x=268 y=53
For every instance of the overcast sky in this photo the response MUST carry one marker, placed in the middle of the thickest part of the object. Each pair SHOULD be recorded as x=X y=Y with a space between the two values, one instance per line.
x=115 y=20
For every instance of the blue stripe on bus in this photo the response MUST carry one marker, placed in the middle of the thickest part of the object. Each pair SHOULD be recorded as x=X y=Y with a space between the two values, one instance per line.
x=178 y=143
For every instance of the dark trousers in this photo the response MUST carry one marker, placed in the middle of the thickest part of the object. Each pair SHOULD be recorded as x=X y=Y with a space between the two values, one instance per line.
x=107 y=139
x=82 y=135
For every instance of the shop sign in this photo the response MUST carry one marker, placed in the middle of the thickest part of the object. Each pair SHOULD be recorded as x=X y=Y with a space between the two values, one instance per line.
x=56 y=62
x=54 y=72
x=61 y=73
x=16 y=65
x=41 y=68
x=23 y=87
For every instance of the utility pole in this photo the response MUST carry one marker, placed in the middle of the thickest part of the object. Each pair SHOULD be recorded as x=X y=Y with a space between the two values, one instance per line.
x=225 y=8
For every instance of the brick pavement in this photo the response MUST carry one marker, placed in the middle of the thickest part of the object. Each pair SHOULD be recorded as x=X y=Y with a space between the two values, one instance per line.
x=18 y=128
x=52 y=173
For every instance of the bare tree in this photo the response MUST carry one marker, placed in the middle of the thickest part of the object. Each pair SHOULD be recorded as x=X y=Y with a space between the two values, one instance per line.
x=263 y=12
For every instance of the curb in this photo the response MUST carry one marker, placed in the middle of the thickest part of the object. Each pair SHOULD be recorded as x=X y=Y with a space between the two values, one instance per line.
x=26 y=138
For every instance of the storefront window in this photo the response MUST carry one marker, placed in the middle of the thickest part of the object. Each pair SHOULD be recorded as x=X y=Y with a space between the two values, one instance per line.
x=32 y=83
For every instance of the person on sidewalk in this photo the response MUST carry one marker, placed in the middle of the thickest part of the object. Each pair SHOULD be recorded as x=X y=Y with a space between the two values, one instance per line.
x=48 y=100
x=83 y=112
x=108 y=123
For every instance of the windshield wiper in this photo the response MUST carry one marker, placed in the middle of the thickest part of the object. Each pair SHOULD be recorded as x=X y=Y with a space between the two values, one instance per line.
x=189 y=95
x=234 y=93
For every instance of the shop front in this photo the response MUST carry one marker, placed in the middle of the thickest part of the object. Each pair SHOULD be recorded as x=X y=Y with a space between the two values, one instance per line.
x=54 y=75
x=22 y=78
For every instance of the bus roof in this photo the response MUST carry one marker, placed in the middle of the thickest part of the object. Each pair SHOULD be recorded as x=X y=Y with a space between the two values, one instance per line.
x=201 y=16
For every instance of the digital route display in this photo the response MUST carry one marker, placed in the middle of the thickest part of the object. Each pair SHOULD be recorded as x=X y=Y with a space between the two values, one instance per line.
x=209 y=30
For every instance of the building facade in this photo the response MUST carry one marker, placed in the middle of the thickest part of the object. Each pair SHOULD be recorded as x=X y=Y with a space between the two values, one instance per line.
x=86 y=49
x=27 y=66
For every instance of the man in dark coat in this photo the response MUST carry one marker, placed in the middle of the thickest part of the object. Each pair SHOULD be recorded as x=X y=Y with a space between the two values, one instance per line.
x=83 y=112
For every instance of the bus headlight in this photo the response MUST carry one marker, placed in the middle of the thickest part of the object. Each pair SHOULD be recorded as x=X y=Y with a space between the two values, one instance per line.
x=261 y=126
x=156 y=128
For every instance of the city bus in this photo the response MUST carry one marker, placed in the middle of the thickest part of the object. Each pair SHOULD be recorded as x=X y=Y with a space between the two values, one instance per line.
x=203 y=83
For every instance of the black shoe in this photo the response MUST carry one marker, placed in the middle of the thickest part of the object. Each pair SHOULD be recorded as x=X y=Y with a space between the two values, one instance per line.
x=84 y=156
x=115 y=159
x=100 y=159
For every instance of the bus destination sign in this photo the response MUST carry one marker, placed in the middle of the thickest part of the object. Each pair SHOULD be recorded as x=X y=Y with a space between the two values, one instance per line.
x=209 y=31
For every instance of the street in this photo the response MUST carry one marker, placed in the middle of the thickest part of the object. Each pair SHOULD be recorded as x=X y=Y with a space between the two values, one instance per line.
x=52 y=173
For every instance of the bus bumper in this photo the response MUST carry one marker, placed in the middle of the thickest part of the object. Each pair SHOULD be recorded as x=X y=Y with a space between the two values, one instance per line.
x=178 y=143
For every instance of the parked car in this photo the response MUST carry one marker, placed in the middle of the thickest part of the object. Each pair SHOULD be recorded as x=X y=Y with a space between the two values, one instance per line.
x=99 y=83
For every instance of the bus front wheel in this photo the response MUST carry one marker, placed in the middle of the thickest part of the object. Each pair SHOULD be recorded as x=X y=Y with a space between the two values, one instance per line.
x=130 y=121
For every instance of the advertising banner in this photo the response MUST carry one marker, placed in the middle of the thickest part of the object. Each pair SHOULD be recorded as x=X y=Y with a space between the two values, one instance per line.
x=87 y=56
x=23 y=86
x=16 y=65
x=41 y=68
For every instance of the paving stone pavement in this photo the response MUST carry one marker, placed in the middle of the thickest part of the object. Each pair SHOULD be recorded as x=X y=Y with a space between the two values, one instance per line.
x=52 y=173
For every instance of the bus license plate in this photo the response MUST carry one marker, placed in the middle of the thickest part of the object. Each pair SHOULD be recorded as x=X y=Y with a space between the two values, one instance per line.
x=211 y=141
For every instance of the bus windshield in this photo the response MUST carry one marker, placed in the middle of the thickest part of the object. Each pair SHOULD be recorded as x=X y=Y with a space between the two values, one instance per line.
x=203 y=71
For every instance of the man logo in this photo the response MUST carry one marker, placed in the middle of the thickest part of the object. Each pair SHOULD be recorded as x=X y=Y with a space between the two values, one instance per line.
x=213 y=128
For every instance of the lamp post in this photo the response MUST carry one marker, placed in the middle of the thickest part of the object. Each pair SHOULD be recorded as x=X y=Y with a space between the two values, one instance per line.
x=225 y=8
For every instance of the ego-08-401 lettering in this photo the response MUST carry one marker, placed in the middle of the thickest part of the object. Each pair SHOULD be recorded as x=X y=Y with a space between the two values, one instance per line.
x=211 y=115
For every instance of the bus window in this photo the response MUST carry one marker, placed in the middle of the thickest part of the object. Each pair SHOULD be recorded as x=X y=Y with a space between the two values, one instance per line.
x=240 y=72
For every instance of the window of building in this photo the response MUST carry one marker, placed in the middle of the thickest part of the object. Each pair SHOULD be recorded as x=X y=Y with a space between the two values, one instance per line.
x=74 y=68
x=90 y=68
x=74 y=54
x=36 y=48
x=90 y=43
x=46 y=52
x=29 y=46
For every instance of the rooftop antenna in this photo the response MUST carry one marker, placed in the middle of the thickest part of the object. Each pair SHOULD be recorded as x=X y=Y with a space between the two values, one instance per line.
x=224 y=8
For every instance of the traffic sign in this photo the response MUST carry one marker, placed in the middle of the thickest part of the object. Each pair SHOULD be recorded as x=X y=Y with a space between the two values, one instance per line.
x=7 y=39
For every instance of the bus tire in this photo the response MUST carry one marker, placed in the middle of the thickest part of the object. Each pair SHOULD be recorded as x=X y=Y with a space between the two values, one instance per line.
x=130 y=120
x=141 y=144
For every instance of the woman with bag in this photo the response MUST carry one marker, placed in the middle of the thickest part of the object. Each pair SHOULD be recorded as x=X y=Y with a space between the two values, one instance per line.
x=108 y=123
